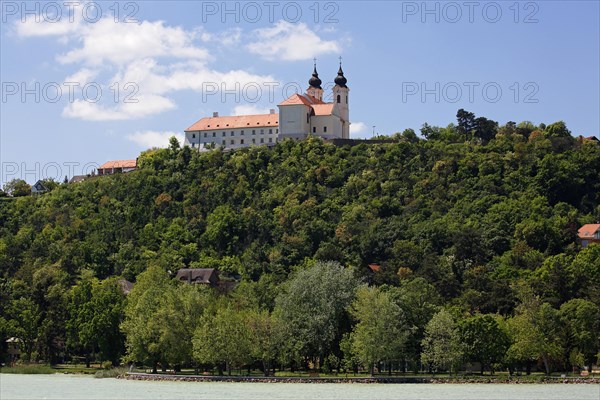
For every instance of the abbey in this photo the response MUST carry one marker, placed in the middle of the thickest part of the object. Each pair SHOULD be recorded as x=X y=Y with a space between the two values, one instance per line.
x=299 y=115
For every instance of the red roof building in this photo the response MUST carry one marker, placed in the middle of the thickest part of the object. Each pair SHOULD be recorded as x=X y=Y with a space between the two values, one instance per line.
x=112 y=167
x=589 y=233
x=300 y=115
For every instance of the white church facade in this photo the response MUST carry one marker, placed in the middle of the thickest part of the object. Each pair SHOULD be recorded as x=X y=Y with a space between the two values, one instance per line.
x=300 y=115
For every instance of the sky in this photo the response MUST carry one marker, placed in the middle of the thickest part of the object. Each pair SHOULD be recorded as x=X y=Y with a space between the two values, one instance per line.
x=86 y=82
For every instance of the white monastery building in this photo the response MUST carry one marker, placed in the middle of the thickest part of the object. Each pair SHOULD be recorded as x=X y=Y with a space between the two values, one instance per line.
x=299 y=115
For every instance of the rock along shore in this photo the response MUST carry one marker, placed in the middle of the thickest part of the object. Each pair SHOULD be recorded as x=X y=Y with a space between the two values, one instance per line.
x=393 y=379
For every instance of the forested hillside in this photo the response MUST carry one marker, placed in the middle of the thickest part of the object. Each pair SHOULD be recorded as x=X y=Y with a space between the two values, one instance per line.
x=473 y=226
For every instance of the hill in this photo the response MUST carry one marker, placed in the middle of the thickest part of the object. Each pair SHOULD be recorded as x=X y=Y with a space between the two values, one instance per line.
x=482 y=223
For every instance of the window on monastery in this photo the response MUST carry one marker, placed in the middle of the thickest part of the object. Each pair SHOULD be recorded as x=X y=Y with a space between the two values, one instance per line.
x=242 y=133
x=214 y=134
x=270 y=131
x=231 y=133
x=224 y=134
x=193 y=144
x=241 y=141
x=232 y=141
x=346 y=99
x=253 y=141
x=204 y=134
x=262 y=131
x=314 y=129
x=324 y=129
x=253 y=132
x=277 y=130
x=223 y=143
x=339 y=98
x=193 y=136
x=262 y=140
x=270 y=140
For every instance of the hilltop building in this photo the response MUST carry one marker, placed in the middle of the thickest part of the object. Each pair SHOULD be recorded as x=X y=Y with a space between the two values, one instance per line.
x=299 y=115
x=113 y=167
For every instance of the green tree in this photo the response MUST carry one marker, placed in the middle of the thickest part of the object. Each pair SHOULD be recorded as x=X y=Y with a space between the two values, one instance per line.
x=26 y=325
x=95 y=314
x=380 y=333
x=420 y=301
x=581 y=323
x=144 y=319
x=223 y=339
x=483 y=339
x=17 y=188
x=441 y=346
x=534 y=332
x=312 y=309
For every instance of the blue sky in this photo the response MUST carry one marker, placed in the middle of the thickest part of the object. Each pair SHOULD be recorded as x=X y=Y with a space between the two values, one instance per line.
x=167 y=65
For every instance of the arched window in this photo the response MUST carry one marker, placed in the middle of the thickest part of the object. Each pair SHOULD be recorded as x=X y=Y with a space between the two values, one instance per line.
x=339 y=98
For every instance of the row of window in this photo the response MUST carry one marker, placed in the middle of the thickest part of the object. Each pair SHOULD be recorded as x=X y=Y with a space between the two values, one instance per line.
x=262 y=132
x=233 y=142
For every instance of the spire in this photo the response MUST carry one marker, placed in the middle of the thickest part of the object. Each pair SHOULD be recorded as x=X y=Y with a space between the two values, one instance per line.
x=315 y=81
x=340 y=80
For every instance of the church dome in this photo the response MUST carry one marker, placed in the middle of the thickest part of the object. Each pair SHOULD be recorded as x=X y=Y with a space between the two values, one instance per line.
x=314 y=81
x=340 y=80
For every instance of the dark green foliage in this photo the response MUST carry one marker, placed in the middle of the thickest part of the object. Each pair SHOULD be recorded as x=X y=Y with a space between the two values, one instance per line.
x=462 y=216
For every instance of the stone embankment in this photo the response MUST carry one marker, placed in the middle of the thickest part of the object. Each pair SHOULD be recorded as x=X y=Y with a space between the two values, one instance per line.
x=392 y=379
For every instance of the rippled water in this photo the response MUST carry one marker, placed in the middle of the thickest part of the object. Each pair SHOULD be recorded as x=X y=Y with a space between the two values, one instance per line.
x=68 y=387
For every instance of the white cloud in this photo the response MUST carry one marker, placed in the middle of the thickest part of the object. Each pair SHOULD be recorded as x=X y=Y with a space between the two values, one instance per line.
x=107 y=41
x=160 y=60
x=358 y=129
x=83 y=76
x=153 y=59
x=146 y=105
x=249 y=109
x=229 y=37
x=290 y=42
x=42 y=27
x=149 y=139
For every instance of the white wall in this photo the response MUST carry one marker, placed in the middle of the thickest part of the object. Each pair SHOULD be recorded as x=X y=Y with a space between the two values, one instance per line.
x=292 y=121
x=262 y=136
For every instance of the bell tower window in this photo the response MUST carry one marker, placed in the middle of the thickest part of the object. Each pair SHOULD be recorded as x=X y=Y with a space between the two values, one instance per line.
x=339 y=98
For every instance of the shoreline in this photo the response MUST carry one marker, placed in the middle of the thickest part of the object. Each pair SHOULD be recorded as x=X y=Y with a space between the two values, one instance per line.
x=382 y=380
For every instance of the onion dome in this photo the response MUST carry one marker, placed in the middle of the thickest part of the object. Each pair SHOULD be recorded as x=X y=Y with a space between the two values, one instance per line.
x=314 y=81
x=340 y=80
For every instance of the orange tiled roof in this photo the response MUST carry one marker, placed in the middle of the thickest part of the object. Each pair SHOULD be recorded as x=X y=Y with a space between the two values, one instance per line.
x=323 y=109
x=305 y=99
x=587 y=231
x=375 y=267
x=236 y=121
x=119 y=164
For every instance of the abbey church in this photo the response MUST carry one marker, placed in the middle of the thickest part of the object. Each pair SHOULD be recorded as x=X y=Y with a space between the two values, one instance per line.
x=299 y=115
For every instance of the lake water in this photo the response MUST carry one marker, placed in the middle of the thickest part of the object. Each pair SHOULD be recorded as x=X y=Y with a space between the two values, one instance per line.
x=69 y=387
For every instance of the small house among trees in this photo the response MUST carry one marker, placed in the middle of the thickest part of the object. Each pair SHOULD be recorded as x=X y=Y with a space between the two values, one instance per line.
x=113 y=167
x=205 y=276
x=39 y=188
x=589 y=233
x=13 y=349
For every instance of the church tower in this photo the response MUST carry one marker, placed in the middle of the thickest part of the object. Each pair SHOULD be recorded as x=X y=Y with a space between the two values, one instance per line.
x=315 y=90
x=340 y=100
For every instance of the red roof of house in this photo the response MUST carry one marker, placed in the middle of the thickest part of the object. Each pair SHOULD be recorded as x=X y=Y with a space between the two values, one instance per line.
x=375 y=267
x=587 y=231
x=119 y=164
x=235 y=121
x=323 y=109
x=305 y=99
